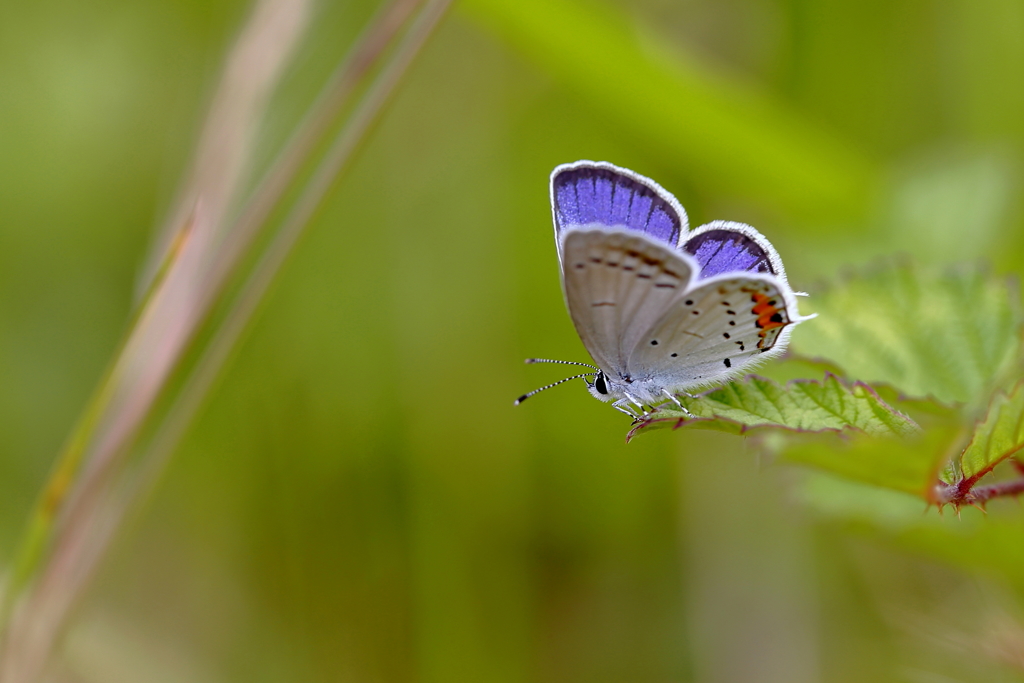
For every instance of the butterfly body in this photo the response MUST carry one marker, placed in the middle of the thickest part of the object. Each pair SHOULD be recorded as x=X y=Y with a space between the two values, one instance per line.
x=662 y=310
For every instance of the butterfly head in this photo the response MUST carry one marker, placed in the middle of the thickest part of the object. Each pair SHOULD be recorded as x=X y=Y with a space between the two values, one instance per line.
x=606 y=388
x=612 y=387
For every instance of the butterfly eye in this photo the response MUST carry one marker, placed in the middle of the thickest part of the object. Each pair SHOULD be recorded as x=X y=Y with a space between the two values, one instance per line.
x=600 y=385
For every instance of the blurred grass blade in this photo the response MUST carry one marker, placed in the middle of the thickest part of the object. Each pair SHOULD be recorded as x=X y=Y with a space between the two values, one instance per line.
x=801 y=405
x=56 y=556
x=726 y=134
x=224 y=153
x=246 y=302
x=998 y=437
x=96 y=481
x=303 y=143
x=952 y=335
x=41 y=522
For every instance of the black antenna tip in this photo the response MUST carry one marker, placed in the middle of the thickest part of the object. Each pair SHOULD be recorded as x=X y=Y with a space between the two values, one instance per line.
x=530 y=361
x=521 y=399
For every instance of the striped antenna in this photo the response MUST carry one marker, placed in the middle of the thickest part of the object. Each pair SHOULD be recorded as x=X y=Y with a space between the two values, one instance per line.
x=555 y=384
x=530 y=361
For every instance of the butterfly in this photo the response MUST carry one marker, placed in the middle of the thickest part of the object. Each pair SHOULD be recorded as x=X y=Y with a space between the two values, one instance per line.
x=661 y=309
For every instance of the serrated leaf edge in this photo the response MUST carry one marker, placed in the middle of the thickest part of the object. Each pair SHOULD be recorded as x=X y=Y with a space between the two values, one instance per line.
x=745 y=429
x=960 y=490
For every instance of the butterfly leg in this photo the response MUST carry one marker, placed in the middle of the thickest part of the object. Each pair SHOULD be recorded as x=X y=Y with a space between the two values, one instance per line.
x=675 y=400
x=622 y=405
x=643 y=410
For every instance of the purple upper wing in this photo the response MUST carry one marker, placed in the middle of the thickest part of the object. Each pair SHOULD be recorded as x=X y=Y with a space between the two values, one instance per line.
x=721 y=249
x=596 y=192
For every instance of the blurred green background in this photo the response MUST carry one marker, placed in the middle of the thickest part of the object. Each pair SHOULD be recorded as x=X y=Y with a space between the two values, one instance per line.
x=359 y=500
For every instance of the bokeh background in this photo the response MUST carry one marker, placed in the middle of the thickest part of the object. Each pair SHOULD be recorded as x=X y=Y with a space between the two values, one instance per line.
x=359 y=500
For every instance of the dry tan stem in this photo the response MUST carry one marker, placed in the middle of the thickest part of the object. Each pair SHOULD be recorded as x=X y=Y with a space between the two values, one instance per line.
x=161 y=332
x=196 y=263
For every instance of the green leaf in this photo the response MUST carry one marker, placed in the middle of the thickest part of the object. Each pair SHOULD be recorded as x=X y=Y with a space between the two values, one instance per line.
x=932 y=197
x=1000 y=436
x=951 y=335
x=974 y=541
x=801 y=405
x=728 y=134
x=849 y=500
x=902 y=464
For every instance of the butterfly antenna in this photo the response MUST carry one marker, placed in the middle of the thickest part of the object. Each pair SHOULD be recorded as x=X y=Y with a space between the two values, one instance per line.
x=530 y=361
x=554 y=384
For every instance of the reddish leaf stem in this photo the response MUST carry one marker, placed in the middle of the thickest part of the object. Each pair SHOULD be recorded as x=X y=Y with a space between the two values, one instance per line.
x=965 y=493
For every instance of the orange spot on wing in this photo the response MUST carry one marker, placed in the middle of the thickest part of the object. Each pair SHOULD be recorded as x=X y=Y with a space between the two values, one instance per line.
x=765 y=311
